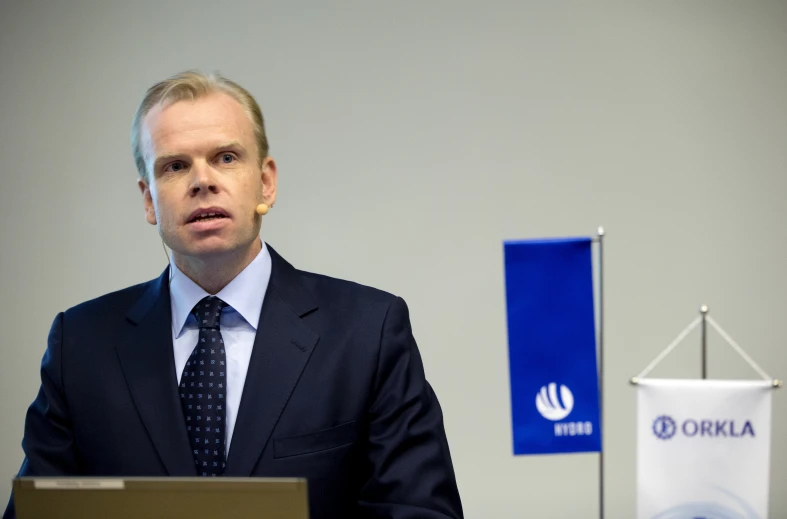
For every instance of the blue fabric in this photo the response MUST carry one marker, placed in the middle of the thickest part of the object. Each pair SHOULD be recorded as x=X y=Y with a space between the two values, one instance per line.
x=552 y=346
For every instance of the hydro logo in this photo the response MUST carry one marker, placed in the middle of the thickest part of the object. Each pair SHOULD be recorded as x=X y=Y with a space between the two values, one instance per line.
x=553 y=408
x=665 y=427
x=550 y=407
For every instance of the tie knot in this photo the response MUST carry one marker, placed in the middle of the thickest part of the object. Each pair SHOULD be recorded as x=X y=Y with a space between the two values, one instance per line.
x=208 y=312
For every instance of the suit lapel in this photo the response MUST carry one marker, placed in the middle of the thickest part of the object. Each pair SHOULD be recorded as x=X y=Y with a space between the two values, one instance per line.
x=147 y=360
x=282 y=348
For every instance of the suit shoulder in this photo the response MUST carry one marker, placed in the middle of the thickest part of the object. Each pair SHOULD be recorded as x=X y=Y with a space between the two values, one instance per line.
x=117 y=302
x=326 y=287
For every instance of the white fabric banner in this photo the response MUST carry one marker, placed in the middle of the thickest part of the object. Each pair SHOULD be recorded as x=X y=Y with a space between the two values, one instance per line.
x=703 y=449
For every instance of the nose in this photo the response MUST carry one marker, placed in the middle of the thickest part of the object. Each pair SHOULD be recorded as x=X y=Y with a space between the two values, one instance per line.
x=203 y=179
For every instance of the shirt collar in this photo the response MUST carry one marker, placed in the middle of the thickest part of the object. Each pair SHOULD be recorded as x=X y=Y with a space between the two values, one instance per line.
x=244 y=293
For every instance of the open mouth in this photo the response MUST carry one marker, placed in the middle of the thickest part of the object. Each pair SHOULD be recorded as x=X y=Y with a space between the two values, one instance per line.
x=207 y=215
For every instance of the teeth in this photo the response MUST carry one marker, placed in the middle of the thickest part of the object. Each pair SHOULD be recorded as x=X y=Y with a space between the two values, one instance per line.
x=205 y=216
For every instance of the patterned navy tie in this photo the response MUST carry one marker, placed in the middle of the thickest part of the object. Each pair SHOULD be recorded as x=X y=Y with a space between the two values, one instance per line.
x=203 y=390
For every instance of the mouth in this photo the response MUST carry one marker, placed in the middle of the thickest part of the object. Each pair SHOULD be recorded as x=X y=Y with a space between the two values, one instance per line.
x=207 y=215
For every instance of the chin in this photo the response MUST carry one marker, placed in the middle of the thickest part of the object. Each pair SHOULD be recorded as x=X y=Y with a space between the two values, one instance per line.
x=215 y=249
x=202 y=250
x=211 y=247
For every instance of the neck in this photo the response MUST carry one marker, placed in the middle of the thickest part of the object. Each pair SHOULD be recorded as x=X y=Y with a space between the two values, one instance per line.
x=214 y=273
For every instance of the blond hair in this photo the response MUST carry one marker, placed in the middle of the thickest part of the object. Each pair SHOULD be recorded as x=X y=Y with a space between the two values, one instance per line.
x=192 y=85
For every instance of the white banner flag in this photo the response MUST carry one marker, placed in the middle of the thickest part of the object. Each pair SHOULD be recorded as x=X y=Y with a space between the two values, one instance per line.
x=703 y=449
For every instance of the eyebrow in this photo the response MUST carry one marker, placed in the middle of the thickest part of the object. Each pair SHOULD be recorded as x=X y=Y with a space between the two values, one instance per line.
x=166 y=157
x=228 y=145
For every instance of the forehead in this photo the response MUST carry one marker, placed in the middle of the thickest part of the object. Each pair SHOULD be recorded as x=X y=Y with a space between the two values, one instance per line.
x=186 y=126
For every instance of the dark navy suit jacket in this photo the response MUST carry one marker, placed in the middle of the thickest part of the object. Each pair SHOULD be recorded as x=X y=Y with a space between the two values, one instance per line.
x=335 y=393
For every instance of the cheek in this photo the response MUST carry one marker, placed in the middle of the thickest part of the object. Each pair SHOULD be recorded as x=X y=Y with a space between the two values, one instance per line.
x=161 y=208
x=248 y=193
x=257 y=190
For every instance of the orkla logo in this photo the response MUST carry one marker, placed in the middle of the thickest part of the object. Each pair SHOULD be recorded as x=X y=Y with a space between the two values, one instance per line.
x=665 y=427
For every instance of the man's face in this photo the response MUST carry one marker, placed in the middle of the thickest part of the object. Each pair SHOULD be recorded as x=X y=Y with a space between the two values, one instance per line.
x=204 y=177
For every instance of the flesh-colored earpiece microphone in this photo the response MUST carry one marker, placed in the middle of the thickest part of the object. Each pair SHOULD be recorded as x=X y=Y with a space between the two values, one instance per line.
x=262 y=209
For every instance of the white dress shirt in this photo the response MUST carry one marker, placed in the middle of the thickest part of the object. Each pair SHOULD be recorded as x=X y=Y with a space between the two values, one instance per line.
x=244 y=296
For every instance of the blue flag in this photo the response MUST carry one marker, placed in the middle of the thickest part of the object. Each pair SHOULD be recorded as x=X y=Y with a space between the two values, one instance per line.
x=552 y=346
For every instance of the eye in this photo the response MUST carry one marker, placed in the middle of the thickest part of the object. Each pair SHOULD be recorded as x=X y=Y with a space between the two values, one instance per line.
x=227 y=158
x=175 y=167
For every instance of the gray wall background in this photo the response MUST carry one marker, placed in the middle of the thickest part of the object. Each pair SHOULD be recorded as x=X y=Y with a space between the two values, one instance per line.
x=412 y=138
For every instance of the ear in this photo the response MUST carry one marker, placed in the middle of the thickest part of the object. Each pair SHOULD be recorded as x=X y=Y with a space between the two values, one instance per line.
x=147 y=198
x=269 y=176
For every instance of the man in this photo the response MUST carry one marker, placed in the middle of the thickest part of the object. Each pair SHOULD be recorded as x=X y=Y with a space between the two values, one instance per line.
x=232 y=362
